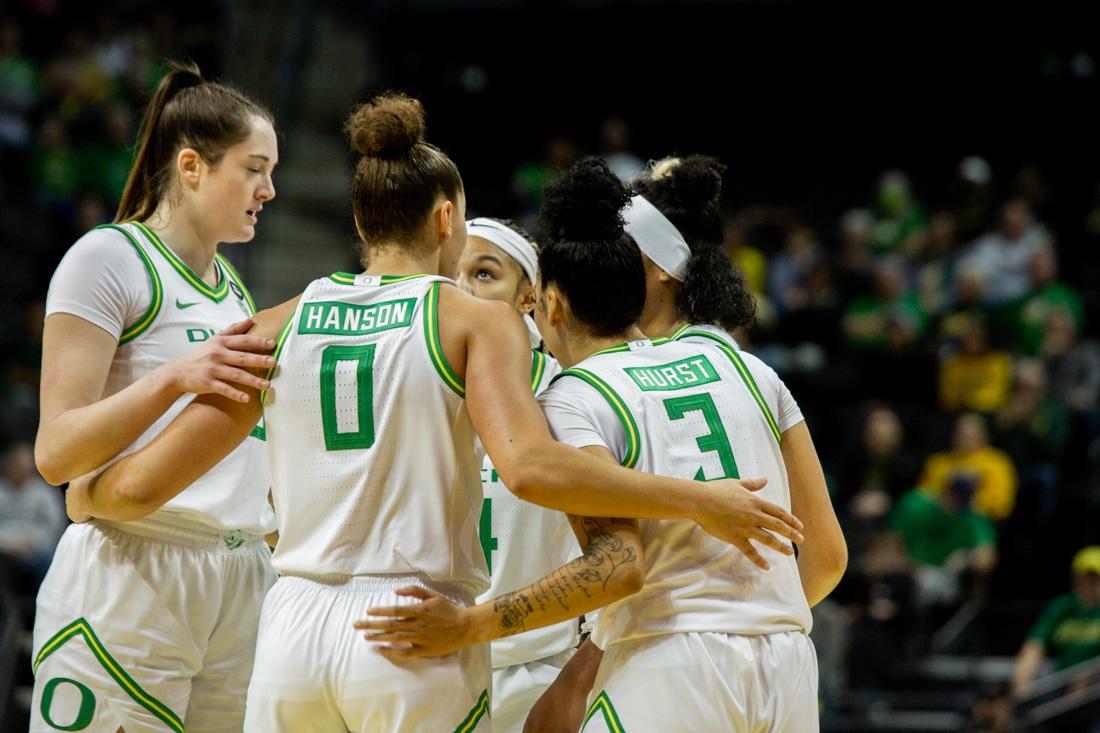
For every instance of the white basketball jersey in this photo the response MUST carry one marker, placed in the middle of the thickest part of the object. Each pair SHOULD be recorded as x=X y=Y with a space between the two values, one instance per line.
x=704 y=333
x=690 y=411
x=522 y=543
x=371 y=450
x=183 y=312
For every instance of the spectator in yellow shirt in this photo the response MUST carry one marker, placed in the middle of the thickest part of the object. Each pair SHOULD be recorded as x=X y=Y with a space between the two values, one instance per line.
x=976 y=377
x=973 y=456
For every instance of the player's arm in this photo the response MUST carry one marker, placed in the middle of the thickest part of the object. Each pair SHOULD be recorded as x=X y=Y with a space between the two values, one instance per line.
x=561 y=707
x=486 y=342
x=823 y=554
x=611 y=566
x=204 y=433
x=79 y=432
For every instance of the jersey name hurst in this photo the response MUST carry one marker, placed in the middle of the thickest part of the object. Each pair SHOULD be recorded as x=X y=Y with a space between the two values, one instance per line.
x=690 y=372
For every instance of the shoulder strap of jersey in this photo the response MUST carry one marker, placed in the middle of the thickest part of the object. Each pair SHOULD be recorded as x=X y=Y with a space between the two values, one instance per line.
x=228 y=269
x=146 y=320
x=618 y=406
x=538 y=368
x=435 y=346
x=746 y=377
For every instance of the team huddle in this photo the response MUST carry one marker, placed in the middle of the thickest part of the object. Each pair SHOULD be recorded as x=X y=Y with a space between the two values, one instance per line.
x=510 y=483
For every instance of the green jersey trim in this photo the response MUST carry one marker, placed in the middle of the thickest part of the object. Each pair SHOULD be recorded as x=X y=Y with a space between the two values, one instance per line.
x=280 y=342
x=481 y=707
x=342 y=278
x=391 y=279
x=435 y=347
x=633 y=437
x=746 y=377
x=215 y=294
x=81 y=627
x=680 y=332
x=347 y=278
x=602 y=704
x=227 y=266
x=142 y=324
x=538 y=368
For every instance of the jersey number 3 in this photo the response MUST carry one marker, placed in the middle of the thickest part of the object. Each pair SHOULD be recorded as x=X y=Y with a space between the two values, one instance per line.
x=348 y=372
x=716 y=440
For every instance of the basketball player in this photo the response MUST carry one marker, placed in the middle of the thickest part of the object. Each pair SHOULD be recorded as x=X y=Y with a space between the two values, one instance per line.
x=522 y=541
x=383 y=380
x=150 y=624
x=707 y=625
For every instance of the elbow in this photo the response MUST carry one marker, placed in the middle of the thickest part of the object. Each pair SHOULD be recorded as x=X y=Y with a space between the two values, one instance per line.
x=632 y=580
x=520 y=484
x=827 y=562
x=524 y=476
x=629 y=575
x=837 y=560
x=135 y=502
x=49 y=467
x=126 y=500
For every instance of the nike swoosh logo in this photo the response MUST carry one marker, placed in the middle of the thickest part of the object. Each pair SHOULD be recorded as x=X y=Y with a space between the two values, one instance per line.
x=181 y=306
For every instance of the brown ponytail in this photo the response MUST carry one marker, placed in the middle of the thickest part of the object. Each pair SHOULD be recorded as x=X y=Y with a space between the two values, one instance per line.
x=400 y=173
x=185 y=112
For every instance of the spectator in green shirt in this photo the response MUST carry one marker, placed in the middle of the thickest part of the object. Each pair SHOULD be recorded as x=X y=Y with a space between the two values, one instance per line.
x=1068 y=631
x=1049 y=294
x=945 y=539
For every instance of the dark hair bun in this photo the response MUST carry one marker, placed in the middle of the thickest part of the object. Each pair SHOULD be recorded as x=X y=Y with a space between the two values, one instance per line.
x=691 y=184
x=388 y=126
x=584 y=204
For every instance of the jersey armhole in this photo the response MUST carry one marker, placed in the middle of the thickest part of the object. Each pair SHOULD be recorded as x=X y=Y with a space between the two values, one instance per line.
x=280 y=342
x=142 y=324
x=538 y=369
x=435 y=346
x=630 y=427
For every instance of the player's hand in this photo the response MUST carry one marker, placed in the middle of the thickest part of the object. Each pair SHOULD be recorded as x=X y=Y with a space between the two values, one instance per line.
x=562 y=705
x=733 y=513
x=434 y=627
x=76 y=499
x=221 y=363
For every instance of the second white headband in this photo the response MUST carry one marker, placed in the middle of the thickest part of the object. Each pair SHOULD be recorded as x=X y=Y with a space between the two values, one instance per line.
x=657 y=237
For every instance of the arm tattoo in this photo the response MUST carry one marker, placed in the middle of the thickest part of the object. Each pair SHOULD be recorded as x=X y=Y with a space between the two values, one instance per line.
x=604 y=552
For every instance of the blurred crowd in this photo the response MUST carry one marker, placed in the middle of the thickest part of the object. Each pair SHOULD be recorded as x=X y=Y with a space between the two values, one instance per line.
x=942 y=350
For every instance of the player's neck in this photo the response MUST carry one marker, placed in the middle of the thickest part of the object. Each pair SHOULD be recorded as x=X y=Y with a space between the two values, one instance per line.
x=663 y=323
x=187 y=241
x=398 y=260
x=583 y=345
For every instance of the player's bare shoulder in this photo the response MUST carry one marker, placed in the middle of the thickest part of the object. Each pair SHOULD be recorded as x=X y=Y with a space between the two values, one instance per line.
x=463 y=312
x=270 y=321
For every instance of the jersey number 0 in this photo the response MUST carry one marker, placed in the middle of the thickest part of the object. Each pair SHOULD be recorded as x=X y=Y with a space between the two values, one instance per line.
x=352 y=369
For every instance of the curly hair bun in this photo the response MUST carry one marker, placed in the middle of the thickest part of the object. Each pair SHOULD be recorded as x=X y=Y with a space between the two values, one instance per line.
x=584 y=204
x=689 y=183
x=388 y=126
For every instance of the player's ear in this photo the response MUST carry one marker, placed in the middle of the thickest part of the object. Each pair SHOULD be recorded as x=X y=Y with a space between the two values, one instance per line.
x=442 y=220
x=526 y=302
x=556 y=307
x=189 y=167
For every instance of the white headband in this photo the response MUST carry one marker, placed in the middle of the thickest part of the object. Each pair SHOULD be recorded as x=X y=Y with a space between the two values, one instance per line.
x=509 y=240
x=657 y=237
